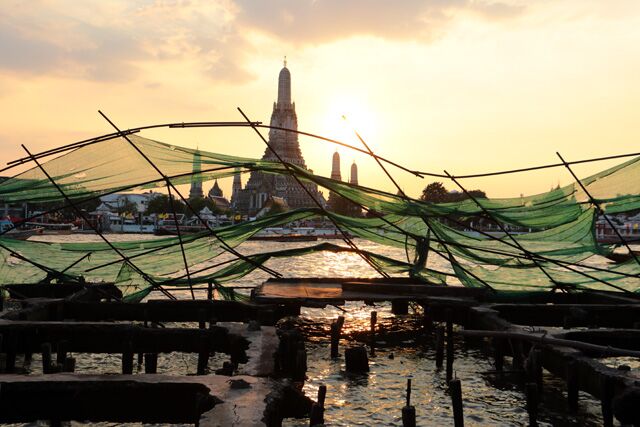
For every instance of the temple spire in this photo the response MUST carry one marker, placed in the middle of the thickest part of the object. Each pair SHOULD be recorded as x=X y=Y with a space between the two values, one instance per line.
x=284 y=86
x=335 y=167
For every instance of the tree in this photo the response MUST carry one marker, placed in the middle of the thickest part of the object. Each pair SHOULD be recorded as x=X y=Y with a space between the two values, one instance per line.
x=435 y=192
x=161 y=204
x=199 y=203
x=127 y=206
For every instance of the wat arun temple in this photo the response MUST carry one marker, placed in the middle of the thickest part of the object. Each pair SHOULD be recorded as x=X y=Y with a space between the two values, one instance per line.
x=261 y=188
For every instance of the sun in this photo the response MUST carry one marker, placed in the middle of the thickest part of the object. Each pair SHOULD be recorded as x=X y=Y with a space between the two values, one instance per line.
x=347 y=114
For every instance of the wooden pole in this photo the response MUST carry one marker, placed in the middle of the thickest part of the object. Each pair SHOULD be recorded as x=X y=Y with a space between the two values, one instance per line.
x=127 y=359
x=450 y=353
x=607 y=400
x=498 y=353
x=455 y=389
x=316 y=416
x=150 y=363
x=573 y=386
x=46 y=358
x=203 y=357
x=374 y=320
x=336 y=329
x=408 y=411
x=531 y=391
x=439 y=346
x=210 y=291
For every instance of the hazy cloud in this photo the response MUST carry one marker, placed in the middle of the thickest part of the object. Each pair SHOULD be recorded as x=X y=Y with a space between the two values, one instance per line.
x=318 y=21
x=98 y=40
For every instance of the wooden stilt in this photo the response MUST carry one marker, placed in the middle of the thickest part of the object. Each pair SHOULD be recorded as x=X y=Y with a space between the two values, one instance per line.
x=450 y=353
x=455 y=389
x=439 y=346
x=573 y=386
x=531 y=391
x=336 y=329
x=374 y=320
x=46 y=358
x=150 y=363
x=127 y=359
x=408 y=411
x=607 y=401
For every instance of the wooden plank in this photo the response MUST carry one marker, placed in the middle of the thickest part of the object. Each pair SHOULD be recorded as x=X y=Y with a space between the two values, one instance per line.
x=24 y=337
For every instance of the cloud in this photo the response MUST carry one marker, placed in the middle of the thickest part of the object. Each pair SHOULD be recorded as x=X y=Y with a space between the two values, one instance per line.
x=319 y=21
x=109 y=41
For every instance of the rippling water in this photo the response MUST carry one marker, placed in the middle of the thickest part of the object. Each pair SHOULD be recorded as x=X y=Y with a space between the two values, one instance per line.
x=377 y=398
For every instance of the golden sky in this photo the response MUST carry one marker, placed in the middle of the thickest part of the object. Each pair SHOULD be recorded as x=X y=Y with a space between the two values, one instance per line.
x=463 y=85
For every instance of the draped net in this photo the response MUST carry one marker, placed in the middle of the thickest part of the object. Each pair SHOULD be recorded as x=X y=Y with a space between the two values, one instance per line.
x=561 y=222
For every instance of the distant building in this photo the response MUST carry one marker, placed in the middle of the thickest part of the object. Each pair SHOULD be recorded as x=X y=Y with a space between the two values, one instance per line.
x=114 y=202
x=354 y=174
x=336 y=202
x=216 y=196
x=196 y=180
x=260 y=186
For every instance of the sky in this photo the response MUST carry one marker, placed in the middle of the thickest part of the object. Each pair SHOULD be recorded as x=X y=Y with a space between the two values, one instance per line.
x=465 y=86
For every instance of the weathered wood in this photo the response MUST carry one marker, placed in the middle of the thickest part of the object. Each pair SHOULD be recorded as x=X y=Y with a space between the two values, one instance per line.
x=409 y=416
x=103 y=398
x=46 y=358
x=455 y=389
x=151 y=363
x=60 y=290
x=607 y=401
x=174 y=311
x=69 y=364
x=374 y=320
x=533 y=399
x=316 y=416
x=439 y=346
x=573 y=385
x=112 y=337
x=356 y=359
x=450 y=350
x=399 y=307
x=127 y=358
x=336 y=330
x=551 y=340
x=203 y=358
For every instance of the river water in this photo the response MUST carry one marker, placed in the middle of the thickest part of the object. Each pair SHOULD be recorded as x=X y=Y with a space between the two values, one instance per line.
x=376 y=399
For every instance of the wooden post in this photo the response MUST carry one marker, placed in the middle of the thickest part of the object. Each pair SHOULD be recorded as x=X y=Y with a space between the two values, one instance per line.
x=531 y=391
x=202 y=319
x=374 y=320
x=140 y=359
x=455 y=389
x=10 y=360
x=150 y=363
x=336 y=329
x=316 y=417
x=607 y=400
x=449 y=345
x=127 y=359
x=203 y=356
x=209 y=291
x=61 y=353
x=356 y=359
x=69 y=364
x=498 y=353
x=408 y=411
x=536 y=364
x=46 y=358
x=399 y=307
x=516 y=349
x=573 y=385
x=439 y=346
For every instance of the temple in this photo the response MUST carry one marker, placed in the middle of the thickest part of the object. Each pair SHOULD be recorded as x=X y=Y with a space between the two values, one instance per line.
x=262 y=187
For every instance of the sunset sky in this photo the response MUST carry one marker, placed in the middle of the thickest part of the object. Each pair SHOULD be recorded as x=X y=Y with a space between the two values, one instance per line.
x=463 y=85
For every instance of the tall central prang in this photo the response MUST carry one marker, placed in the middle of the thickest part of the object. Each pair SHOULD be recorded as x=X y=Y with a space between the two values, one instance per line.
x=278 y=188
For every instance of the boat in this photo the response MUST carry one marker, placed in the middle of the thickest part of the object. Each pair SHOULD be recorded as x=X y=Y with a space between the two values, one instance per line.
x=279 y=234
x=9 y=230
x=620 y=258
x=53 y=227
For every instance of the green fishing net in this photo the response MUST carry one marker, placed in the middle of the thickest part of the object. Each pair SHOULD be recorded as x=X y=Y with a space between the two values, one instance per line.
x=561 y=223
